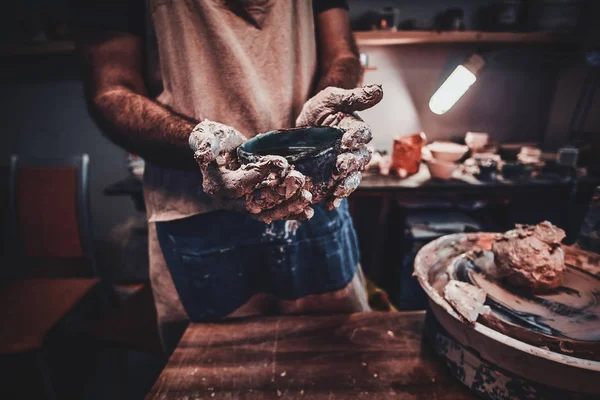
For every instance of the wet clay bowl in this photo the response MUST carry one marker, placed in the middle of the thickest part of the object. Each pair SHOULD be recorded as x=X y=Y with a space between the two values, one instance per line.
x=490 y=356
x=312 y=150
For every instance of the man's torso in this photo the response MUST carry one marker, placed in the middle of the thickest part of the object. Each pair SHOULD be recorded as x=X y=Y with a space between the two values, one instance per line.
x=247 y=64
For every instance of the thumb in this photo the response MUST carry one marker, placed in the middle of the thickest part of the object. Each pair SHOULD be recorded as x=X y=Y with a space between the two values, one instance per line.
x=358 y=99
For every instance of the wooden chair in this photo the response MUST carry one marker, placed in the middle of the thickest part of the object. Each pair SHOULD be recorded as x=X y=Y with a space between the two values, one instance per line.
x=48 y=227
x=49 y=224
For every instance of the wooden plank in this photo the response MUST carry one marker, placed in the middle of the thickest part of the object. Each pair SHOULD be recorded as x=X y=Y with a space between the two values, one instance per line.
x=383 y=38
x=31 y=308
x=368 y=355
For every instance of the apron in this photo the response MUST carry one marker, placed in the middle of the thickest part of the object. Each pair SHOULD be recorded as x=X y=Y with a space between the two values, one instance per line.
x=249 y=64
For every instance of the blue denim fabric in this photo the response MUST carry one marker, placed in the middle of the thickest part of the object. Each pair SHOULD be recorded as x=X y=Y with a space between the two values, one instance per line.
x=219 y=260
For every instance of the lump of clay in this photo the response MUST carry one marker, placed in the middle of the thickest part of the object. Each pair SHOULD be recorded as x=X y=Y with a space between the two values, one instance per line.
x=466 y=299
x=531 y=256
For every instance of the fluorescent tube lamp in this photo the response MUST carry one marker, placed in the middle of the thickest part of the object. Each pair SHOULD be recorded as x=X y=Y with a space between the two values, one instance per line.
x=457 y=84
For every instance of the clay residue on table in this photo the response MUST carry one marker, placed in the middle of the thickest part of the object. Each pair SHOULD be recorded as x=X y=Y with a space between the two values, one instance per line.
x=466 y=299
x=531 y=256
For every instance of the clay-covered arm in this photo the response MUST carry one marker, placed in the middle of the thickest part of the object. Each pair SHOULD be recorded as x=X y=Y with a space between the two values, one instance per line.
x=339 y=64
x=117 y=98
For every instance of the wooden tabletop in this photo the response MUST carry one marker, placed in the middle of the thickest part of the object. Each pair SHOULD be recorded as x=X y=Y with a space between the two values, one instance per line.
x=368 y=355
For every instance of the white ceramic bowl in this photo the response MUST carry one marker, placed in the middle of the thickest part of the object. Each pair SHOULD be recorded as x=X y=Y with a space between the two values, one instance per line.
x=447 y=151
x=476 y=140
x=441 y=169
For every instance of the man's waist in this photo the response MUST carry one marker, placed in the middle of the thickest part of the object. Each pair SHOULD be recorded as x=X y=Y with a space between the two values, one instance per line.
x=172 y=194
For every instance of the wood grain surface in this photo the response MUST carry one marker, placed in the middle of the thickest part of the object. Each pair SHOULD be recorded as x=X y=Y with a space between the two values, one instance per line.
x=368 y=355
x=30 y=308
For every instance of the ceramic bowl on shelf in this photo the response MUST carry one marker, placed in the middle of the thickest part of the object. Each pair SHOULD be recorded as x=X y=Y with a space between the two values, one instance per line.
x=447 y=151
x=476 y=140
x=441 y=169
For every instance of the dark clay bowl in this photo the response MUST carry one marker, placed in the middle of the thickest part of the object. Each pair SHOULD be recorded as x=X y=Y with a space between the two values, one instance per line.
x=312 y=150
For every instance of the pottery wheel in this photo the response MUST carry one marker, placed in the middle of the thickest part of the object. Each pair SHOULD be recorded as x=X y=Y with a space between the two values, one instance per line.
x=522 y=345
x=567 y=319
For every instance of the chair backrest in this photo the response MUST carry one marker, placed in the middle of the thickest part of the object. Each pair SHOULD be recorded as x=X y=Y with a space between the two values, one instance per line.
x=49 y=207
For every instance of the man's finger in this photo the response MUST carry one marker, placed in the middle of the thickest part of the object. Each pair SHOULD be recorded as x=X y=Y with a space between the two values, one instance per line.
x=333 y=203
x=270 y=196
x=294 y=206
x=352 y=100
x=304 y=215
x=350 y=162
x=239 y=182
x=333 y=119
x=210 y=139
x=356 y=133
x=348 y=185
x=332 y=99
x=343 y=189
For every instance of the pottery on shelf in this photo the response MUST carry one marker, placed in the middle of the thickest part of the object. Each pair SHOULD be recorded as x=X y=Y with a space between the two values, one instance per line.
x=406 y=154
x=440 y=169
x=476 y=141
x=447 y=151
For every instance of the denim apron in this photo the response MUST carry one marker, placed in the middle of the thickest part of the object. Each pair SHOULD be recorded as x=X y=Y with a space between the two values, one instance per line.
x=219 y=260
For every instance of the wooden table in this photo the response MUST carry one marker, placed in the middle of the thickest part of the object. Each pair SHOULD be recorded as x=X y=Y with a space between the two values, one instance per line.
x=369 y=355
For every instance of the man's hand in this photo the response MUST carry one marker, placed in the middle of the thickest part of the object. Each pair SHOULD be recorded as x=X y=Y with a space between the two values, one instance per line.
x=337 y=107
x=269 y=189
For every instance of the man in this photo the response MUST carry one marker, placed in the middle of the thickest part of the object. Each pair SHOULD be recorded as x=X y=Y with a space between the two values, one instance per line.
x=205 y=76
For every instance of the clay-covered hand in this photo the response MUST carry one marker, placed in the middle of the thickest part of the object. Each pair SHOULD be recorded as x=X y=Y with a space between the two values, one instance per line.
x=337 y=107
x=269 y=189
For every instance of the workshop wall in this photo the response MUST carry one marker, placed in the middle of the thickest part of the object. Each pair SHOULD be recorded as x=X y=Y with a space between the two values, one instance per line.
x=522 y=97
x=526 y=93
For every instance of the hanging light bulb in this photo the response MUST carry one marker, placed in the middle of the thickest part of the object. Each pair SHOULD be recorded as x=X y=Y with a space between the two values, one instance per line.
x=457 y=84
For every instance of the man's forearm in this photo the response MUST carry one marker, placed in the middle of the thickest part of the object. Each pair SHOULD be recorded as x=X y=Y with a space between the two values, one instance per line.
x=344 y=73
x=144 y=127
x=118 y=100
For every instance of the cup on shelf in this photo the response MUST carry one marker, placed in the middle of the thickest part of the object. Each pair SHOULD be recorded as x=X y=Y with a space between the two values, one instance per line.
x=530 y=155
x=447 y=151
x=406 y=154
x=476 y=141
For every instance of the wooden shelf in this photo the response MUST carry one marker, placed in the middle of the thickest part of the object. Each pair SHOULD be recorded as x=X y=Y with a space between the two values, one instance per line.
x=46 y=48
x=384 y=38
x=364 y=38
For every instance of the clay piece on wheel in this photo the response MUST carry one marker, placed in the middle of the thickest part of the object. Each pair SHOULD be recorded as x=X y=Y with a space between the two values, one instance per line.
x=530 y=256
x=466 y=299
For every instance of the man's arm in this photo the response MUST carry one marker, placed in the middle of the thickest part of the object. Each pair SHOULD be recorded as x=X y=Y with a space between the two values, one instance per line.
x=339 y=64
x=118 y=101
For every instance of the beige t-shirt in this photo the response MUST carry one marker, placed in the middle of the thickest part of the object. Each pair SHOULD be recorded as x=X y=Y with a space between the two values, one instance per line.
x=250 y=64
